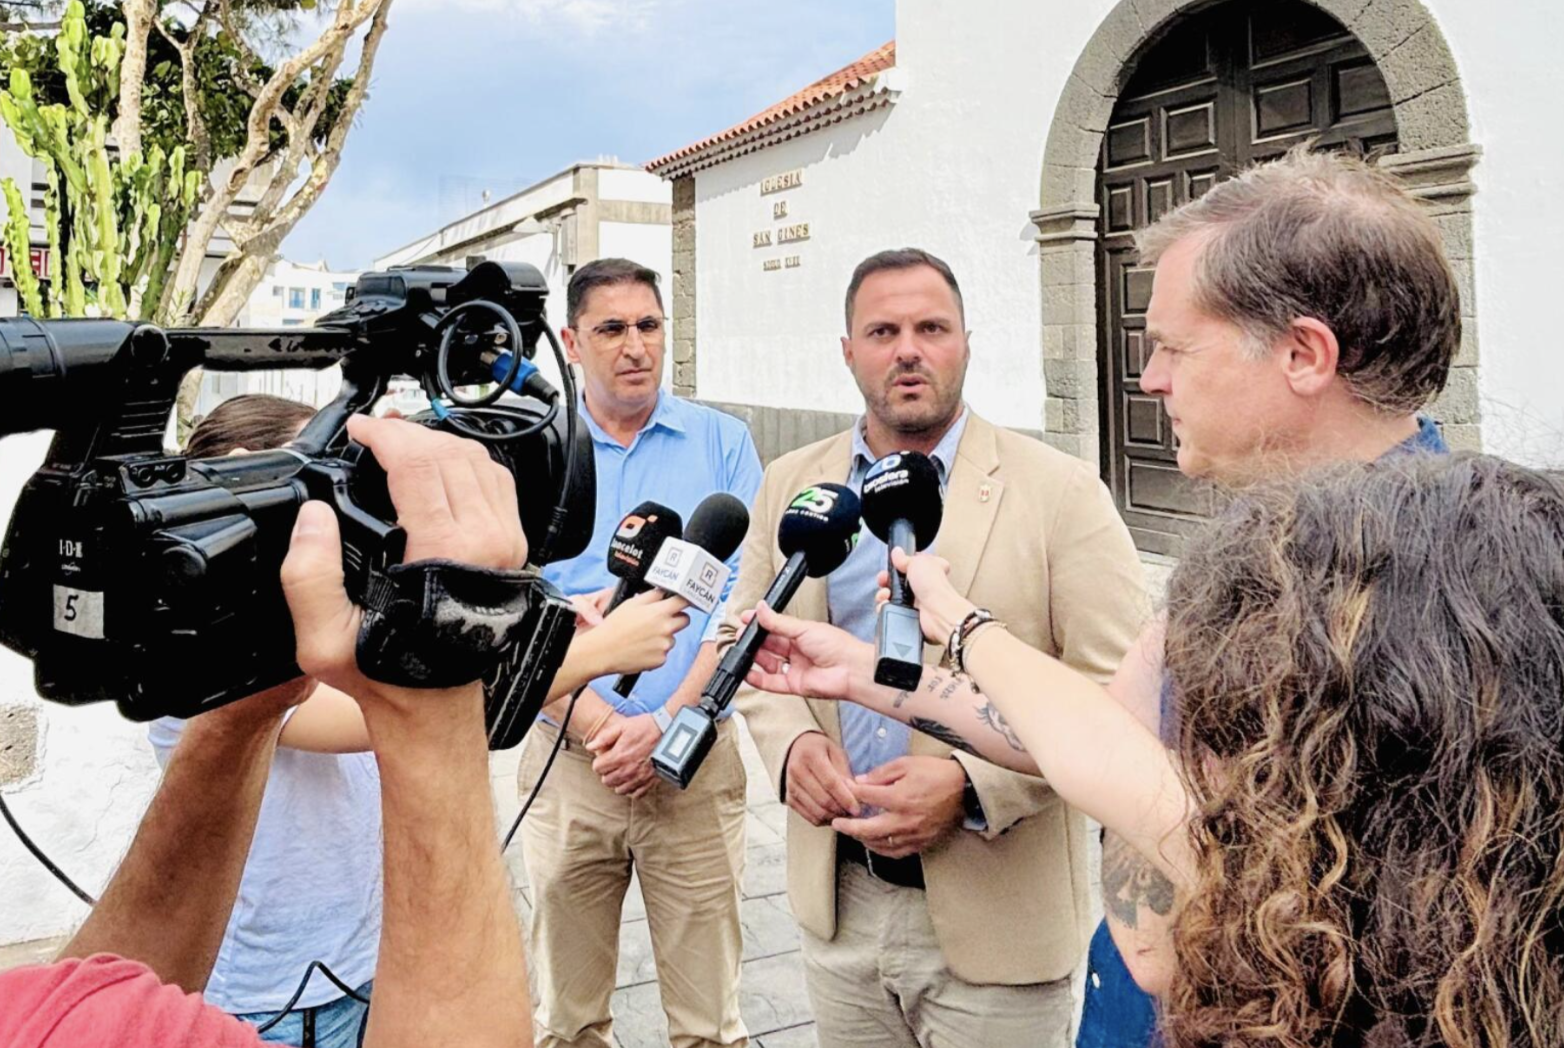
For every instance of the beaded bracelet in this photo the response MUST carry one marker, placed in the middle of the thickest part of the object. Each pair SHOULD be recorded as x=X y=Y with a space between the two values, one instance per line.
x=962 y=636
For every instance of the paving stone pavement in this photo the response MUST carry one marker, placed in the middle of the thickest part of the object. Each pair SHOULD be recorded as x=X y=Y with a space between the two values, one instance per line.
x=772 y=998
x=771 y=991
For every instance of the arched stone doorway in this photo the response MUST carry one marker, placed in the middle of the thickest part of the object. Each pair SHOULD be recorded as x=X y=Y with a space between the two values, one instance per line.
x=1434 y=156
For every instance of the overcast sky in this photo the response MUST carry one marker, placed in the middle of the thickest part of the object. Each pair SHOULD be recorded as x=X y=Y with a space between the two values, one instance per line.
x=498 y=94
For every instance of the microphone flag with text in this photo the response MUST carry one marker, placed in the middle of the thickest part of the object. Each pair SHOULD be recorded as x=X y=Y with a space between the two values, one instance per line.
x=695 y=567
x=818 y=530
x=903 y=507
x=635 y=544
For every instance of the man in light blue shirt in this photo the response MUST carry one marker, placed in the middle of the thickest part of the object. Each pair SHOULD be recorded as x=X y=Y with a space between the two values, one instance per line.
x=604 y=812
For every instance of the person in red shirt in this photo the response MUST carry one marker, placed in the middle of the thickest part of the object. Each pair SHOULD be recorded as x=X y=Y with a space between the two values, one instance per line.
x=451 y=969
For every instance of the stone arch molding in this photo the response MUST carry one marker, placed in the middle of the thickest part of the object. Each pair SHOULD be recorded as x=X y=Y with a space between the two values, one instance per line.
x=1436 y=158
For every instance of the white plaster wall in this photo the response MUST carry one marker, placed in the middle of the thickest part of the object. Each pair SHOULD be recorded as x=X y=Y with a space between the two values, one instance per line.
x=1510 y=69
x=94 y=776
x=955 y=167
x=952 y=167
x=632 y=184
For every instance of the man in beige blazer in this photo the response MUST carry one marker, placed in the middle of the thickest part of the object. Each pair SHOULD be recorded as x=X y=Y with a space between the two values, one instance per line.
x=954 y=915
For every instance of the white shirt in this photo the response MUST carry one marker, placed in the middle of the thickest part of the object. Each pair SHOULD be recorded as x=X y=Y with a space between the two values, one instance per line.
x=311 y=888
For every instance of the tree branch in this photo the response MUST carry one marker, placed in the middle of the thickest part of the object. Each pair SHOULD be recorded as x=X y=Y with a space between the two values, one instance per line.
x=195 y=126
x=264 y=230
x=187 y=276
x=139 y=17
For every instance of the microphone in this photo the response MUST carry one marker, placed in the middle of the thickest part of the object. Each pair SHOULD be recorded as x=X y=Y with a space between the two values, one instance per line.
x=695 y=567
x=903 y=507
x=818 y=530
x=641 y=534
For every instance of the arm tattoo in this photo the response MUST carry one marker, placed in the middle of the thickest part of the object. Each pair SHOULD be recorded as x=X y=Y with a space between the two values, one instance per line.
x=996 y=720
x=1130 y=881
x=943 y=733
x=901 y=697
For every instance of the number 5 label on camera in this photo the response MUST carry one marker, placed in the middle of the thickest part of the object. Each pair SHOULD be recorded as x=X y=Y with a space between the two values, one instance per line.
x=79 y=612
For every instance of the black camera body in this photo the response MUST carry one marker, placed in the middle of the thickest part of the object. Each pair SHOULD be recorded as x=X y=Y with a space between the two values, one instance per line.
x=151 y=580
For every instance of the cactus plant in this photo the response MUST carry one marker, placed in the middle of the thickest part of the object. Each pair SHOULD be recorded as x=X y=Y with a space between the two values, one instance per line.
x=117 y=216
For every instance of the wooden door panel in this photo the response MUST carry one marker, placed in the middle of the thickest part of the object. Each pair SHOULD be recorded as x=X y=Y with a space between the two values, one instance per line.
x=1233 y=84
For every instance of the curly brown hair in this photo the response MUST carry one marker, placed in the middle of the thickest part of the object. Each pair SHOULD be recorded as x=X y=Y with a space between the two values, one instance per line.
x=1369 y=667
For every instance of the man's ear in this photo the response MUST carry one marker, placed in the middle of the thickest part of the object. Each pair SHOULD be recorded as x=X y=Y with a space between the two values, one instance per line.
x=1312 y=356
x=567 y=335
x=847 y=351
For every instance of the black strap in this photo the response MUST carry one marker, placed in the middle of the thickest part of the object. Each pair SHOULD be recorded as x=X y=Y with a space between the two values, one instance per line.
x=906 y=872
x=440 y=624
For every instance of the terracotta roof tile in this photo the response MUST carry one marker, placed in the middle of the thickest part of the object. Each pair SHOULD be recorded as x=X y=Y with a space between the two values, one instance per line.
x=845 y=79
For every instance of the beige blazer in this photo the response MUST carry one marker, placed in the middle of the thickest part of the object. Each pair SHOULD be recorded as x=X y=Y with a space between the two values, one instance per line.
x=1031 y=534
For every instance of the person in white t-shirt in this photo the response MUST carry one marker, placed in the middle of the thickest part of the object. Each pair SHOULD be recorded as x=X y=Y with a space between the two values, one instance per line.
x=311 y=889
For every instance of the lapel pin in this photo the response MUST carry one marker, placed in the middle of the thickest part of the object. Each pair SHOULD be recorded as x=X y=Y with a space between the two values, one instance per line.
x=984 y=492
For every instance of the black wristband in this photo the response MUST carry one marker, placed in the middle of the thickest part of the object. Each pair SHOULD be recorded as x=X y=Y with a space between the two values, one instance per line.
x=440 y=624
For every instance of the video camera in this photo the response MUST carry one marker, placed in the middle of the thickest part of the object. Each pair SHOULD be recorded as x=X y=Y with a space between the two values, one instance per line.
x=152 y=580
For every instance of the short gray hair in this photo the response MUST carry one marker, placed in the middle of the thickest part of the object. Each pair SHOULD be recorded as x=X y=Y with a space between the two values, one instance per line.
x=1333 y=238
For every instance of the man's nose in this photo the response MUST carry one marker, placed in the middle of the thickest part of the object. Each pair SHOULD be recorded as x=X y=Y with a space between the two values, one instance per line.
x=635 y=342
x=1154 y=378
x=907 y=350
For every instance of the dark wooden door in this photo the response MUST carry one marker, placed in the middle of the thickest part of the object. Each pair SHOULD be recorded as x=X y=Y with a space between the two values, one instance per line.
x=1231 y=85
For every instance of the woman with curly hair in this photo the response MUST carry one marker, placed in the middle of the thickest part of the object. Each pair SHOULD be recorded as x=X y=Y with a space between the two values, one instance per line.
x=1363 y=806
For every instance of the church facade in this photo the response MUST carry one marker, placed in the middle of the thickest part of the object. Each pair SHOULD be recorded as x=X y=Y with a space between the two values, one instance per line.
x=1024 y=142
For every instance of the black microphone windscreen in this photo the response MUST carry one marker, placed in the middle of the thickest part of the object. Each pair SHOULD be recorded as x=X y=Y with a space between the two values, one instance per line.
x=718 y=525
x=821 y=523
x=639 y=537
x=903 y=486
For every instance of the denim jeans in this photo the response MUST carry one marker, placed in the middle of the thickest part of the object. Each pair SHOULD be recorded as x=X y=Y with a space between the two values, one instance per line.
x=336 y=1022
x=1117 y=1013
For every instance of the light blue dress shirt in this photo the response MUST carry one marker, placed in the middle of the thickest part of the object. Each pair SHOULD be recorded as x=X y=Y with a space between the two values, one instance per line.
x=684 y=452
x=871 y=738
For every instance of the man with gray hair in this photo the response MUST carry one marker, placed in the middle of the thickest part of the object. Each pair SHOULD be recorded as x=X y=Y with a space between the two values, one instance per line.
x=1301 y=313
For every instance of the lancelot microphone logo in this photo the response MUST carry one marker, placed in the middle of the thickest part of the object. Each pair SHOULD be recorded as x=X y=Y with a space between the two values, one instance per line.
x=631 y=526
x=624 y=546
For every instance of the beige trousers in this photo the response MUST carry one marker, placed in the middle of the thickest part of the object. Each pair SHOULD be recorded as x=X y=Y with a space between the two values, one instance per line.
x=882 y=983
x=580 y=841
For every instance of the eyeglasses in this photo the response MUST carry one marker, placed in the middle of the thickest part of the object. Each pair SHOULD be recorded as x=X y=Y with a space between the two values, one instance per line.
x=611 y=334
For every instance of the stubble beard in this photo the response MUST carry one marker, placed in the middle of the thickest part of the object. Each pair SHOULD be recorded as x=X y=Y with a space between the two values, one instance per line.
x=937 y=410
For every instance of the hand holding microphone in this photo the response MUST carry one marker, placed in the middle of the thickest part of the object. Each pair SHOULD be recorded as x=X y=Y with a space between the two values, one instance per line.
x=903 y=507
x=695 y=567
x=636 y=542
x=940 y=607
x=817 y=532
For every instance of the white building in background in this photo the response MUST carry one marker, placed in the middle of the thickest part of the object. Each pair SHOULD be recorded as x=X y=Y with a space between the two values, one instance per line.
x=594 y=209
x=291 y=294
x=295 y=293
x=1024 y=141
